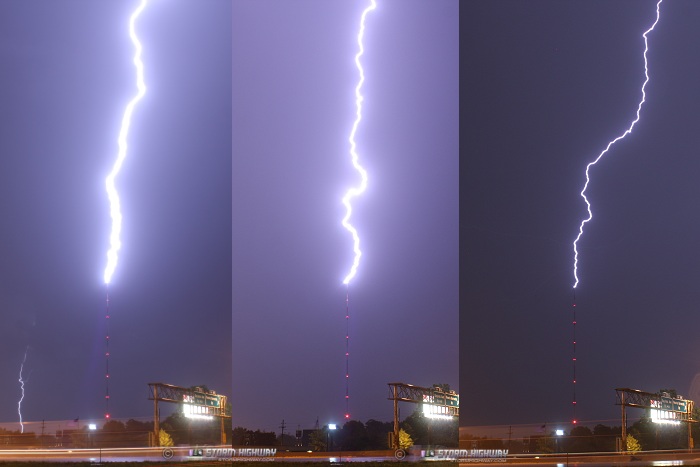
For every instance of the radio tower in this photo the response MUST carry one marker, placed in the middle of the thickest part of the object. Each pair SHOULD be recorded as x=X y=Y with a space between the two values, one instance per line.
x=351 y=193
x=347 y=352
x=573 y=360
x=112 y=193
x=107 y=356
x=588 y=179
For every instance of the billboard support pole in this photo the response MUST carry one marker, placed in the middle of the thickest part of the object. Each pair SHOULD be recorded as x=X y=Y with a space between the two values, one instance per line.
x=623 y=448
x=396 y=419
x=156 y=424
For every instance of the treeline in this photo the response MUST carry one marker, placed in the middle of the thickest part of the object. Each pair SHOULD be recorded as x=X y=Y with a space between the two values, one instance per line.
x=355 y=435
x=115 y=433
x=601 y=438
x=179 y=430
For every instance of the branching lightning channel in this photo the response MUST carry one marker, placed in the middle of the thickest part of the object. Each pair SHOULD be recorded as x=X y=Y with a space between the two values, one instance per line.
x=21 y=382
x=607 y=148
x=115 y=206
x=356 y=191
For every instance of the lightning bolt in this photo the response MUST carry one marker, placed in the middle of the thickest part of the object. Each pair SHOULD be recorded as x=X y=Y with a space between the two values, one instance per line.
x=115 y=206
x=610 y=144
x=21 y=382
x=356 y=191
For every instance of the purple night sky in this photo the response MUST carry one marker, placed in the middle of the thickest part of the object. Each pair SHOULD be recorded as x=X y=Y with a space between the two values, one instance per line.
x=231 y=269
x=233 y=259
x=67 y=74
x=293 y=107
x=545 y=86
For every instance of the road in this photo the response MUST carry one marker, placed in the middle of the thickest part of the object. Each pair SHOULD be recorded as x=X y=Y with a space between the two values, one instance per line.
x=185 y=453
x=651 y=458
x=216 y=453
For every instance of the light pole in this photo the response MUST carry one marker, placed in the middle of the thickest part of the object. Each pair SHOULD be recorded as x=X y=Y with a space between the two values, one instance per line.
x=559 y=434
x=91 y=427
x=331 y=429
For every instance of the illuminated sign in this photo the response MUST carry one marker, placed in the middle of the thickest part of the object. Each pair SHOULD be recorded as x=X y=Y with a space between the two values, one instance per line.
x=670 y=404
x=442 y=398
x=667 y=410
x=200 y=398
x=436 y=411
x=196 y=411
x=200 y=405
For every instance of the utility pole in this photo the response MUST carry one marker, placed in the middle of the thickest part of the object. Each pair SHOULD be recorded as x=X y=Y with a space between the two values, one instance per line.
x=283 y=425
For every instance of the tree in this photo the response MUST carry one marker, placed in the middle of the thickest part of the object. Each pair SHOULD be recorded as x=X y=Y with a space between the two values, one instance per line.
x=580 y=439
x=633 y=445
x=165 y=439
x=201 y=387
x=176 y=425
x=443 y=387
x=134 y=426
x=405 y=440
x=604 y=437
x=377 y=434
x=644 y=431
x=113 y=426
x=238 y=436
x=112 y=434
x=317 y=441
x=546 y=444
x=353 y=437
x=434 y=432
x=695 y=427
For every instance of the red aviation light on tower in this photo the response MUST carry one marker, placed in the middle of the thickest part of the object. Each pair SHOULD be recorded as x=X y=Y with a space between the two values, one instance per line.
x=354 y=192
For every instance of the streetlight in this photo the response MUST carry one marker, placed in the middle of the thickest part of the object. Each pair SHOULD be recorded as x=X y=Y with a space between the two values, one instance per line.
x=559 y=433
x=92 y=427
x=331 y=428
